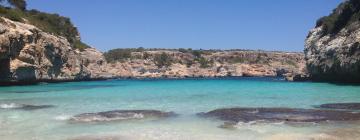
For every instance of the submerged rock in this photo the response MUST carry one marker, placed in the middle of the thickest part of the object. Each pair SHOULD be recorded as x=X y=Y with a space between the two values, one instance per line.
x=280 y=114
x=119 y=115
x=346 y=106
x=24 y=106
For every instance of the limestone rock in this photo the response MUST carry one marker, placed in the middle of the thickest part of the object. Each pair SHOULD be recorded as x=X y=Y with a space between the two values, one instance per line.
x=335 y=56
x=29 y=54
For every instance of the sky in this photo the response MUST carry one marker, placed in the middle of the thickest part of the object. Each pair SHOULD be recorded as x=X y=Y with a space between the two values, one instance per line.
x=280 y=25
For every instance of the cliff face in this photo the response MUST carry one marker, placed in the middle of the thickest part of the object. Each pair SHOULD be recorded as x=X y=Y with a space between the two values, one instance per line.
x=332 y=48
x=29 y=54
x=218 y=64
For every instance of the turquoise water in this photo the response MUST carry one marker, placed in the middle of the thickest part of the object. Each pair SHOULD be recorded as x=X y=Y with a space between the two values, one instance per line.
x=185 y=97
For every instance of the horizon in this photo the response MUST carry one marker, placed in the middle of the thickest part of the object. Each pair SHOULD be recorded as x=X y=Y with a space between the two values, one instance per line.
x=198 y=24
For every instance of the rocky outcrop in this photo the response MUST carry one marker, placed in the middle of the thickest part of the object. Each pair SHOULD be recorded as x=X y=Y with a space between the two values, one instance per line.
x=28 y=54
x=332 y=48
x=121 y=115
x=236 y=115
x=224 y=64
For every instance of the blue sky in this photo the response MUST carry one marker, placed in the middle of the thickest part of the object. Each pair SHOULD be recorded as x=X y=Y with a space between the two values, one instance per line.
x=208 y=24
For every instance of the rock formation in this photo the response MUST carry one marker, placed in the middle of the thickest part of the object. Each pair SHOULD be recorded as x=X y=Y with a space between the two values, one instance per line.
x=221 y=64
x=236 y=115
x=28 y=55
x=121 y=115
x=332 y=48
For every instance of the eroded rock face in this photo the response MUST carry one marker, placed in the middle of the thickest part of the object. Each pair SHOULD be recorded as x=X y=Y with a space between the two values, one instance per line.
x=335 y=56
x=226 y=63
x=280 y=114
x=121 y=115
x=29 y=54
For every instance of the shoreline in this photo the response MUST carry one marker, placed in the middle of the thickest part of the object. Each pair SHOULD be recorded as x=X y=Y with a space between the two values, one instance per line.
x=37 y=82
x=280 y=78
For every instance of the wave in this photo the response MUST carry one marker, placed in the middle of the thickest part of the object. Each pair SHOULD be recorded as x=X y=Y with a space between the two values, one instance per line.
x=10 y=106
x=62 y=117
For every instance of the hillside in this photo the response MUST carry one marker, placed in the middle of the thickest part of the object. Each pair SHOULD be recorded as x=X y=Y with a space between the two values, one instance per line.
x=332 y=48
x=50 y=23
x=204 y=63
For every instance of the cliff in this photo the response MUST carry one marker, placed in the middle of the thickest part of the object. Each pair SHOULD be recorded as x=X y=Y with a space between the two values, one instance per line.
x=332 y=48
x=28 y=54
x=205 y=63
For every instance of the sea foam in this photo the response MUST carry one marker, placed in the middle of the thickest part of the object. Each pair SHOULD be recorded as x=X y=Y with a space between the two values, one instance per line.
x=10 y=106
x=62 y=117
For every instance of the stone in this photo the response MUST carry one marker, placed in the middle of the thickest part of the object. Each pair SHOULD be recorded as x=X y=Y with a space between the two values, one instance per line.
x=280 y=114
x=121 y=115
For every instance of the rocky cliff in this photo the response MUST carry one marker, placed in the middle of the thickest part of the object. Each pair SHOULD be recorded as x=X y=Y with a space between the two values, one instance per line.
x=210 y=64
x=332 y=48
x=28 y=54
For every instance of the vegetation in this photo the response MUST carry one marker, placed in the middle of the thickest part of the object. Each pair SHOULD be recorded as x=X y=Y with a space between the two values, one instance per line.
x=19 y=4
x=204 y=63
x=165 y=59
x=290 y=62
x=123 y=54
x=117 y=55
x=347 y=13
x=80 y=45
x=146 y=55
x=236 y=59
x=162 y=60
x=51 y=23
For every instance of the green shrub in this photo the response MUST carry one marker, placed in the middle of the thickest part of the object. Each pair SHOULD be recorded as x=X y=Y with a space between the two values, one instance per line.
x=80 y=45
x=197 y=53
x=204 y=63
x=54 y=23
x=162 y=60
x=18 y=4
x=140 y=49
x=346 y=13
x=146 y=55
x=236 y=59
x=290 y=62
x=189 y=50
x=117 y=55
x=51 y=23
x=12 y=14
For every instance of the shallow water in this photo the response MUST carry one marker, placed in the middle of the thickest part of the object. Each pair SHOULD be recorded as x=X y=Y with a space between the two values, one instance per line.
x=185 y=97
